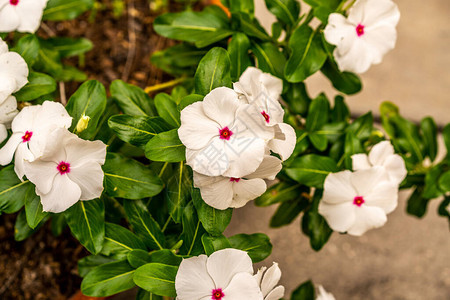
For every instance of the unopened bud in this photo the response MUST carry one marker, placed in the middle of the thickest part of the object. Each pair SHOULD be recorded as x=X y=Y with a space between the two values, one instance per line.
x=83 y=123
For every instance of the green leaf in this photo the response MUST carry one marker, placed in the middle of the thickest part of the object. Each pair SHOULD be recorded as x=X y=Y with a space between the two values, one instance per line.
x=38 y=85
x=144 y=295
x=213 y=220
x=297 y=97
x=13 y=192
x=201 y=28
x=317 y=228
x=108 y=279
x=444 y=182
x=288 y=211
x=28 y=48
x=68 y=47
x=446 y=136
x=429 y=133
x=157 y=278
x=119 y=240
x=257 y=245
x=238 y=50
x=88 y=100
x=319 y=141
x=431 y=189
x=214 y=243
x=137 y=130
x=144 y=225
x=70 y=73
x=286 y=11
x=442 y=209
x=417 y=204
x=48 y=62
x=318 y=113
x=192 y=232
x=129 y=179
x=340 y=111
x=138 y=258
x=213 y=71
x=88 y=263
x=308 y=54
x=246 y=6
x=166 y=147
x=188 y=100
x=131 y=99
x=179 y=59
x=60 y=10
x=178 y=192
x=270 y=59
x=250 y=26
x=311 y=169
x=345 y=82
x=305 y=291
x=33 y=208
x=280 y=192
x=21 y=229
x=167 y=109
x=362 y=127
x=86 y=220
x=352 y=146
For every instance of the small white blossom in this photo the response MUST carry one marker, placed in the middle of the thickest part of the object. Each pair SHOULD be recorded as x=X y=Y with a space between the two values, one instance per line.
x=268 y=281
x=21 y=15
x=324 y=295
x=8 y=110
x=69 y=170
x=225 y=275
x=223 y=192
x=382 y=154
x=13 y=71
x=365 y=36
x=355 y=202
x=220 y=137
x=31 y=128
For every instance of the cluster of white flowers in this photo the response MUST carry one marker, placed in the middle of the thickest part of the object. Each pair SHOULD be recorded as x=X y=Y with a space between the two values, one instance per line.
x=355 y=202
x=230 y=135
x=226 y=275
x=63 y=167
x=365 y=36
x=21 y=15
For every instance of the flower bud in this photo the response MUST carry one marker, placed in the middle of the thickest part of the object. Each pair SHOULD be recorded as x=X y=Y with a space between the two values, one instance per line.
x=83 y=123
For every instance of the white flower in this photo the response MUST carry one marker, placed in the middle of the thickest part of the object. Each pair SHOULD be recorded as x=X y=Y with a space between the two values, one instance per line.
x=13 y=70
x=382 y=154
x=262 y=91
x=225 y=275
x=365 y=36
x=68 y=171
x=220 y=137
x=223 y=192
x=324 y=295
x=8 y=110
x=355 y=202
x=268 y=282
x=21 y=15
x=31 y=128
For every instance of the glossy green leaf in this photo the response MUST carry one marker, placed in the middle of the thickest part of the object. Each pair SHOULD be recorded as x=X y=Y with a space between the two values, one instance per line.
x=214 y=243
x=49 y=62
x=157 y=278
x=178 y=192
x=68 y=47
x=192 y=232
x=144 y=295
x=345 y=82
x=21 y=229
x=257 y=245
x=33 y=208
x=417 y=205
x=319 y=141
x=444 y=182
x=305 y=291
x=166 y=147
x=317 y=228
x=340 y=111
x=250 y=26
x=144 y=225
x=88 y=263
x=138 y=258
x=108 y=279
x=297 y=97
x=119 y=240
x=269 y=58
x=280 y=192
x=88 y=100
x=137 y=130
x=179 y=59
x=446 y=136
x=167 y=109
x=246 y=6
x=318 y=113
x=362 y=127
x=131 y=99
x=13 y=192
x=431 y=189
x=129 y=179
x=286 y=11
x=28 y=48
x=86 y=220
x=238 y=50
x=429 y=133
x=38 y=85
x=60 y=10
x=288 y=211
x=311 y=169
x=188 y=100
x=213 y=71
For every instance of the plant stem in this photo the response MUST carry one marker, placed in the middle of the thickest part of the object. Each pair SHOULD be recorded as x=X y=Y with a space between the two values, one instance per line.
x=348 y=6
x=165 y=85
x=166 y=224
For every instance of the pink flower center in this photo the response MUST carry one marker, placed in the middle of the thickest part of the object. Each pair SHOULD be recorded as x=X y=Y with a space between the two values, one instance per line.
x=360 y=30
x=27 y=136
x=63 y=167
x=358 y=201
x=14 y=2
x=234 y=179
x=266 y=116
x=217 y=294
x=225 y=133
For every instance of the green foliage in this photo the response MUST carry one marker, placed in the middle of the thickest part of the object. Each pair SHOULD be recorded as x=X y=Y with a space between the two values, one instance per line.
x=213 y=71
x=286 y=11
x=59 y=10
x=257 y=245
x=166 y=146
x=305 y=291
x=13 y=192
x=157 y=278
x=38 y=85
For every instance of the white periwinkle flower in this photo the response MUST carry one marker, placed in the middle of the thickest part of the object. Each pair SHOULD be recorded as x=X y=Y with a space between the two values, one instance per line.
x=365 y=36
x=69 y=170
x=13 y=70
x=220 y=137
x=223 y=192
x=225 y=275
x=355 y=202
x=21 y=15
x=31 y=128
x=268 y=281
x=263 y=91
x=324 y=295
x=382 y=154
x=8 y=110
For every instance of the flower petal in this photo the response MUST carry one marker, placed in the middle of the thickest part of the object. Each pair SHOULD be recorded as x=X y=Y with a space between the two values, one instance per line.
x=395 y=166
x=9 y=20
x=3 y=133
x=339 y=31
x=365 y=181
x=246 y=190
x=268 y=169
x=212 y=160
x=376 y=12
x=8 y=110
x=380 y=152
x=271 y=278
x=63 y=195
x=15 y=67
x=340 y=217
x=30 y=14
x=79 y=151
x=276 y=294
x=285 y=147
x=89 y=177
x=192 y=280
x=220 y=105
x=218 y=195
x=41 y=174
x=7 y=151
x=384 y=195
x=242 y=286
x=367 y=217
x=25 y=119
x=338 y=188
x=224 y=264
x=22 y=154
x=360 y=162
